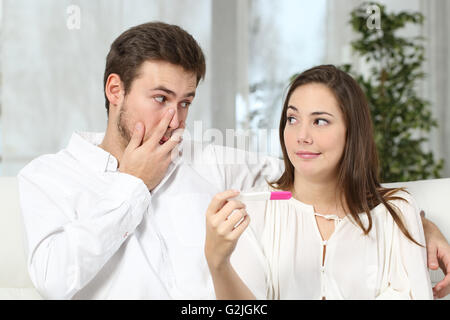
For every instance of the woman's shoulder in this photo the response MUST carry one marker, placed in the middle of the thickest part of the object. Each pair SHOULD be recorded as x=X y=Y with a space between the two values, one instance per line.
x=400 y=198
x=402 y=202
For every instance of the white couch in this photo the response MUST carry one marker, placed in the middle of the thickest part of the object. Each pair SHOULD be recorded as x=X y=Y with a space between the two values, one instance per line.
x=15 y=283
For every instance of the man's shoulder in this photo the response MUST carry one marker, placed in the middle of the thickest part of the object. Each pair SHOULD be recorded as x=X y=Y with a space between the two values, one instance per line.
x=46 y=164
x=264 y=187
x=207 y=152
x=198 y=152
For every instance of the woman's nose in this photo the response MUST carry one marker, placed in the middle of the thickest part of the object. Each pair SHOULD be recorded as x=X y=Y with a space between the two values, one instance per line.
x=304 y=135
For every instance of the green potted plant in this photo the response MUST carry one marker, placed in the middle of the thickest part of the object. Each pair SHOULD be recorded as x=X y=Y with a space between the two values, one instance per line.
x=401 y=118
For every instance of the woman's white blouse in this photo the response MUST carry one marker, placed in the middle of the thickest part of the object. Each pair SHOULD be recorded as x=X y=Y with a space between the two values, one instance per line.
x=287 y=254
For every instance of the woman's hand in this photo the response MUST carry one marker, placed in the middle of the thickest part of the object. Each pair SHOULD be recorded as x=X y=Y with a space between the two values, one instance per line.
x=226 y=220
x=222 y=231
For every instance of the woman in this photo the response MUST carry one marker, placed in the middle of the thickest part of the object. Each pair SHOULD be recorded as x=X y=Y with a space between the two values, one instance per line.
x=342 y=235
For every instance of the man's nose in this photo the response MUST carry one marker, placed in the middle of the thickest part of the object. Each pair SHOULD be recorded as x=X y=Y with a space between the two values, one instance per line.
x=175 y=122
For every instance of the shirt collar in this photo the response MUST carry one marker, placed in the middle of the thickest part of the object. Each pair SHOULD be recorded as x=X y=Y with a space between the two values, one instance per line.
x=84 y=146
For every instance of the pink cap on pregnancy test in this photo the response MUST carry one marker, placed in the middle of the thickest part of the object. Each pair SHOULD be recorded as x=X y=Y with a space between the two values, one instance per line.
x=280 y=195
x=262 y=196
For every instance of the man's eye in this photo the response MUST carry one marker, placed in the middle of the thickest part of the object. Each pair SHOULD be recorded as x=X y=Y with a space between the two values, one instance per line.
x=185 y=104
x=160 y=99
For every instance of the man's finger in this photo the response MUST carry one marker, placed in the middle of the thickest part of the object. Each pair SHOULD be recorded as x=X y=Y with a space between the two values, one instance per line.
x=442 y=288
x=432 y=257
x=136 y=138
x=219 y=201
x=161 y=128
x=174 y=140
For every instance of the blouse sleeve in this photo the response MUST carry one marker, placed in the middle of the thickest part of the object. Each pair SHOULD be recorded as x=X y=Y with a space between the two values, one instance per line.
x=248 y=258
x=405 y=274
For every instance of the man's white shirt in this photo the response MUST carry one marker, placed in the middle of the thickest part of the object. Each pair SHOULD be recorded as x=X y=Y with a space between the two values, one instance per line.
x=96 y=233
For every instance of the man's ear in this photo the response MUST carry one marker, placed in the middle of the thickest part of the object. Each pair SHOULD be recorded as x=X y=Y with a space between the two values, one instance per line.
x=114 y=90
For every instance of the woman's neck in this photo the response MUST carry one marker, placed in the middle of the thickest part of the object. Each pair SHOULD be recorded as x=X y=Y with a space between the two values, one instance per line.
x=323 y=195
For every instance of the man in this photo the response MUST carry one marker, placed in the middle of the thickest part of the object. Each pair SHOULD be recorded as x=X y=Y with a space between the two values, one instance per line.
x=121 y=215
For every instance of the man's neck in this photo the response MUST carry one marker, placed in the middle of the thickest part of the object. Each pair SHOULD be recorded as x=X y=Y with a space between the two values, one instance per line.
x=112 y=142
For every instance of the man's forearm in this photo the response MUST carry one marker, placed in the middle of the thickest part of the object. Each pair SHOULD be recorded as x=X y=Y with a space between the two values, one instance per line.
x=430 y=228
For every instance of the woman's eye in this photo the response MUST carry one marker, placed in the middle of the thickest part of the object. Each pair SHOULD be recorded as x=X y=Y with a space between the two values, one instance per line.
x=160 y=99
x=291 y=120
x=321 y=122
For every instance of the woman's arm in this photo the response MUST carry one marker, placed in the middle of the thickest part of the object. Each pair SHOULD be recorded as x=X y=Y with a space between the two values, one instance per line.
x=405 y=273
x=228 y=285
x=222 y=235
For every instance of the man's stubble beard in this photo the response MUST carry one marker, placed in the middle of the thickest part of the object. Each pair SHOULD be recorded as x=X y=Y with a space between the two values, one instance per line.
x=123 y=125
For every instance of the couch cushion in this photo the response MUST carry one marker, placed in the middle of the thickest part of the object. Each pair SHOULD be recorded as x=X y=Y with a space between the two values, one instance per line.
x=19 y=294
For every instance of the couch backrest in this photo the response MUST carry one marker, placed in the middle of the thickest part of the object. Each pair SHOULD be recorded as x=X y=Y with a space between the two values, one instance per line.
x=431 y=196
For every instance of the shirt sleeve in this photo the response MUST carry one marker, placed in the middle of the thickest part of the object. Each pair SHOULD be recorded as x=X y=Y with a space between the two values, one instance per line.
x=243 y=170
x=251 y=265
x=405 y=274
x=68 y=244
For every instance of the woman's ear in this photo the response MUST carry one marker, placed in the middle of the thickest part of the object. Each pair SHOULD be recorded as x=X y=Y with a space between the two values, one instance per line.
x=114 y=90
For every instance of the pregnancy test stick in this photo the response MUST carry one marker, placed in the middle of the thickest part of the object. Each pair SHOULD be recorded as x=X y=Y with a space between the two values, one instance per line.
x=262 y=196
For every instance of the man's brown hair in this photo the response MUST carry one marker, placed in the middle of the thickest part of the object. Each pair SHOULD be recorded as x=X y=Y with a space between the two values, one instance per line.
x=152 y=41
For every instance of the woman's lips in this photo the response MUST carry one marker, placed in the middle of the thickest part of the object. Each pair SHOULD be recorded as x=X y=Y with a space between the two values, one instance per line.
x=307 y=155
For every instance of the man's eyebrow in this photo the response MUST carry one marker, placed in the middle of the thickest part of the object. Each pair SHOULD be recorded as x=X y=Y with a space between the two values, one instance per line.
x=170 y=92
x=315 y=113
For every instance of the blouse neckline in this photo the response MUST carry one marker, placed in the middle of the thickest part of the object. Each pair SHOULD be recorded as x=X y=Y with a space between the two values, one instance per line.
x=310 y=209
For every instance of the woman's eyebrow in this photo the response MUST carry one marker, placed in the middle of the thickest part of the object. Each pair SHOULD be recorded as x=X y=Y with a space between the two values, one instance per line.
x=319 y=113
x=315 y=113
x=293 y=108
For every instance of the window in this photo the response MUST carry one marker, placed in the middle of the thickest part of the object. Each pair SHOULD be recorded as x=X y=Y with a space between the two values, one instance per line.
x=285 y=38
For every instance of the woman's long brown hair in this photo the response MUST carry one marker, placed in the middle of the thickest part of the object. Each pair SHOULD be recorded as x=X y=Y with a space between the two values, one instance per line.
x=358 y=173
